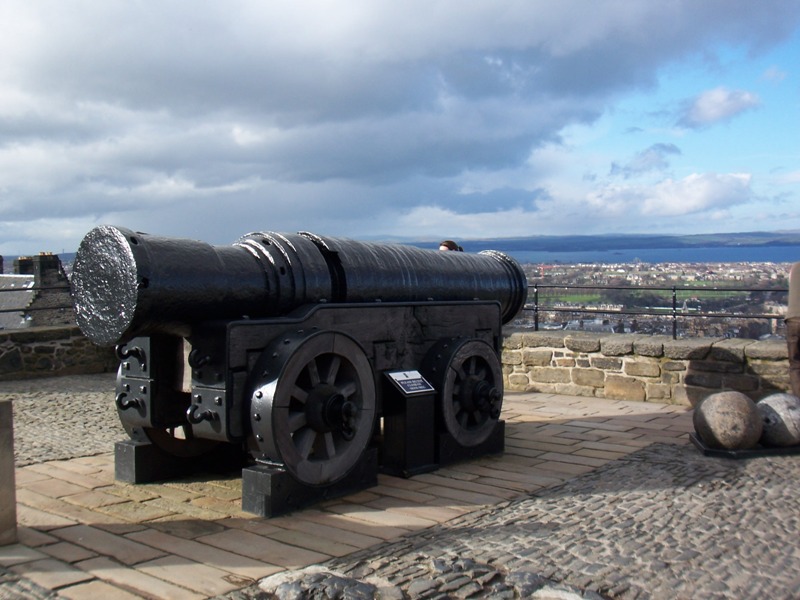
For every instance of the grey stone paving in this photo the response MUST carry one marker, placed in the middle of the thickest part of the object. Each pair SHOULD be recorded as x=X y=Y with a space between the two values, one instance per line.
x=663 y=523
x=59 y=418
x=78 y=417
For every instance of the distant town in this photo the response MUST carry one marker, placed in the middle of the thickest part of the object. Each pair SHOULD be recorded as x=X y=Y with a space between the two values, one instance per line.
x=743 y=299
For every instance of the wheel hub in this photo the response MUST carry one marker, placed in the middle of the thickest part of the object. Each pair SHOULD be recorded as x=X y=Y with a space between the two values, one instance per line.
x=328 y=410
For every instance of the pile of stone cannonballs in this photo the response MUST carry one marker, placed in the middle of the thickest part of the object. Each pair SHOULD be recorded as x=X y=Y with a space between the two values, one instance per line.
x=732 y=421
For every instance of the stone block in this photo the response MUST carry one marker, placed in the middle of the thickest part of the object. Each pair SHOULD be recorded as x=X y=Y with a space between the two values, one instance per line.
x=512 y=340
x=619 y=387
x=704 y=380
x=594 y=378
x=512 y=357
x=670 y=377
x=742 y=383
x=619 y=345
x=566 y=362
x=543 y=339
x=650 y=345
x=768 y=350
x=518 y=382
x=658 y=392
x=537 y=358
x=585 y=342
x=8 y=494
x=606 y=363
x=642 y=368
x=717 y=366
x=769 y=369
x=550 y=375
x=732 y=350
x=673 y=365
x=686 y=395
x=689 y=348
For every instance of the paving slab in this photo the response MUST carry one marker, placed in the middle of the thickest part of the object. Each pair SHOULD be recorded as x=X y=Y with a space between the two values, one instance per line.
x=592 y=498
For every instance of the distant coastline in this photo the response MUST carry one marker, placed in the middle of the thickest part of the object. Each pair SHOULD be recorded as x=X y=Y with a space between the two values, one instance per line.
x=781 y=247
x=775 y=247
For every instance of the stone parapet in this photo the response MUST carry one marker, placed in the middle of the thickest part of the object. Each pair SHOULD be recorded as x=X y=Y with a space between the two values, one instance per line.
x=8 y=498
x=51 y=351
x=642 y=367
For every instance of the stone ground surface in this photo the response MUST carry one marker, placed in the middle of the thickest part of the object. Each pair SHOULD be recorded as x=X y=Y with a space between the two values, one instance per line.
x=592 y=499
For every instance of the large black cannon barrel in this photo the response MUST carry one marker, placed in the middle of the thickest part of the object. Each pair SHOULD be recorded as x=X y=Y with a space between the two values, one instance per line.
x=127 y=283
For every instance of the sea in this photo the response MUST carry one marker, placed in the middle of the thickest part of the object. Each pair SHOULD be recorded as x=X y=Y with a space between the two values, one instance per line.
x=719 y=254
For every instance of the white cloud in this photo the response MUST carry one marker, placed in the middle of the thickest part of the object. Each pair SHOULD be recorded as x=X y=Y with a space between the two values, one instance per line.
x=694 y=194
x=342 y=117
x=714 y=106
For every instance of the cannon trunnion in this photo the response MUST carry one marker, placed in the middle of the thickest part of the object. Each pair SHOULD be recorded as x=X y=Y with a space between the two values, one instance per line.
x=319 y=391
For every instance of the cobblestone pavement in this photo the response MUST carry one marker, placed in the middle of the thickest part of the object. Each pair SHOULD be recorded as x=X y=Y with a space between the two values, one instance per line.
x=664 y=523
x=63 y=417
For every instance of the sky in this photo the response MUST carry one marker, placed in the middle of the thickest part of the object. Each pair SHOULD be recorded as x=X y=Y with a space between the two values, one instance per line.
x=421 y=119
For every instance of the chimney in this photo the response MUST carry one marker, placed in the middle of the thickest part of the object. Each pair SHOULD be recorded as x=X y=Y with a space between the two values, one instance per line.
x=23 y=265
x=47 y=270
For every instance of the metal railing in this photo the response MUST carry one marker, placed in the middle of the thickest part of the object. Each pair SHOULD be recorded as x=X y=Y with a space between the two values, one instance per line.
x=675 y=310
x=25 y=309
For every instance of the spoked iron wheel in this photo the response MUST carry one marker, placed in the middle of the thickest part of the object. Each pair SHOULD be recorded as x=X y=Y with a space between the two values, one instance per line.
x=313 y=405
x=469 y=378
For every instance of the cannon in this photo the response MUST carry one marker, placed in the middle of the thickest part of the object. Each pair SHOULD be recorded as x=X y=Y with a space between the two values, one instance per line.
x=310 y=362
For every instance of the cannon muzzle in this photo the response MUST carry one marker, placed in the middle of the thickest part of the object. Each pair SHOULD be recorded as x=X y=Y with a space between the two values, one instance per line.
x=126 y=283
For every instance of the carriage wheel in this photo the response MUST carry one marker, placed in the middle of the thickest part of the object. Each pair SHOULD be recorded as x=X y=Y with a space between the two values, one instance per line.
x=313 y=405
x=469 y=377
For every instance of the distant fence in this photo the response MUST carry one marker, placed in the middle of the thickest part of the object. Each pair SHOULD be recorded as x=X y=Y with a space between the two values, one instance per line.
x=43 y=288
x=730 y=302
x=549 y=298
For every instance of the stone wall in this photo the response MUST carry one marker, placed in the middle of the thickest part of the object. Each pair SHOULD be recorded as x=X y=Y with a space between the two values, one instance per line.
x=624 y=367
x=51 y=351
x=642 y=367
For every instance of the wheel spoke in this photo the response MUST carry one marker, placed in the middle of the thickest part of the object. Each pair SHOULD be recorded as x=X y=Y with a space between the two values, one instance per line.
x=304 y=441
x=330 y=447
x=299 y=394
x=333 y=369
x=471 y=365
x=313 y=372
x=348 y=389
x=296 y=421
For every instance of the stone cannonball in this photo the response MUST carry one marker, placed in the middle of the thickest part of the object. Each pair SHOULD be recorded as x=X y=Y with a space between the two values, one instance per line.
x=728 y=420
x=780 y=414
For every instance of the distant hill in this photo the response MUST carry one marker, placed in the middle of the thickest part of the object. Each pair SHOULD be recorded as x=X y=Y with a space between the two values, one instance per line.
x=575 y=243
x=581 y=243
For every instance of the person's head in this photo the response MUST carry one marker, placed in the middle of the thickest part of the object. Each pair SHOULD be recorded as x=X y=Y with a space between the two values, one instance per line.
x=450 y=245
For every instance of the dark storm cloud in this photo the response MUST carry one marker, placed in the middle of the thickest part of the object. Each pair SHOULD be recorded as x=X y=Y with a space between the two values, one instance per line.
x=131 y=110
